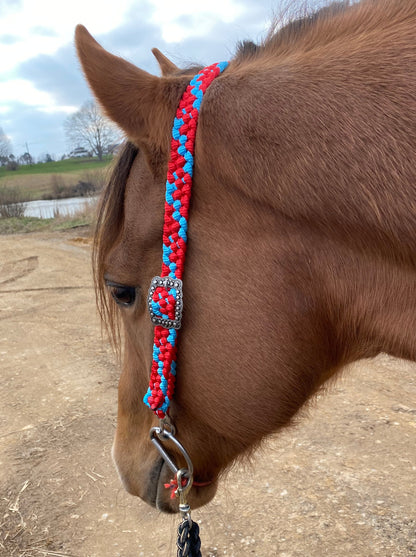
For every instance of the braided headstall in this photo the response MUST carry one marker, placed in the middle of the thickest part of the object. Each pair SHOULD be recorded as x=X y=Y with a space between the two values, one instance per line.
x=165 y=300
x=165 y=294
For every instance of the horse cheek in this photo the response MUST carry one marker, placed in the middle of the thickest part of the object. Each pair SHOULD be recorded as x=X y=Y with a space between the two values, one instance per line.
x=132 y=452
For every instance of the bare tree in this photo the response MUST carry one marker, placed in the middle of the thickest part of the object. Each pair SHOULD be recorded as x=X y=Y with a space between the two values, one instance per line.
x=90 y=129
x=5 y=148
x=26 y=158
x=11 y=202
x=46 y=157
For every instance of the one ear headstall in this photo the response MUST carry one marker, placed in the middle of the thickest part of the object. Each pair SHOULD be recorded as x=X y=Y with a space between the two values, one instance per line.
x=165 y=295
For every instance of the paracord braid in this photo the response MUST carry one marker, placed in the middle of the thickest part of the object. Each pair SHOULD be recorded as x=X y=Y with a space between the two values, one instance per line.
x=189 y=543
x=178 y=194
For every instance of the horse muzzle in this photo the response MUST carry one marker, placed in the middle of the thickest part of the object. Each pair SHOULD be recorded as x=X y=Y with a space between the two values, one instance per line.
x=152 y=480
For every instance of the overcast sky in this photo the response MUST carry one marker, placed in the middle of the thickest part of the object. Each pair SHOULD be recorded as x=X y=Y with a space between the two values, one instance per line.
x=40 y=78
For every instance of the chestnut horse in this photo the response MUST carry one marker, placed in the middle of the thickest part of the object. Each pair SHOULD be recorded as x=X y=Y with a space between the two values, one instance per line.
x=302 y=237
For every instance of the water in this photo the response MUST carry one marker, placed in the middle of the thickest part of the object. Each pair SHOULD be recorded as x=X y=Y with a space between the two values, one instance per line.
x=49 y=208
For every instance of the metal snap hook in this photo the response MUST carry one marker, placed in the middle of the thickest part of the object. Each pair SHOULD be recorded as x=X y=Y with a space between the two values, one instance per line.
x=182 y=491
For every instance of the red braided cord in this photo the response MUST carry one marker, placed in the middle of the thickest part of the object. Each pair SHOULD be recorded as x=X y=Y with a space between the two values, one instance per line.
x=178 y=194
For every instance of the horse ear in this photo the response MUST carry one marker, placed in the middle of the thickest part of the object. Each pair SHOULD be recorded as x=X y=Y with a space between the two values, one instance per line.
x=136 y=100
x=166 y=66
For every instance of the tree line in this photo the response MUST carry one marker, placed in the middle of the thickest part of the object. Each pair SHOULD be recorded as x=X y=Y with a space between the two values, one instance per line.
x=88 y=133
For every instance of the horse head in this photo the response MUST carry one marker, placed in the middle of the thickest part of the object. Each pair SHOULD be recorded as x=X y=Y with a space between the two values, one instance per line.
x=288 y=270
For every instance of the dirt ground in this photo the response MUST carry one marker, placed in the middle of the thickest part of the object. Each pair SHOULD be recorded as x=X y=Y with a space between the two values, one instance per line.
x=341 y=483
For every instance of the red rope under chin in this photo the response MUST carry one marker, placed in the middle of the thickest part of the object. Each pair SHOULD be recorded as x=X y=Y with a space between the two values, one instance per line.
x=173 y=485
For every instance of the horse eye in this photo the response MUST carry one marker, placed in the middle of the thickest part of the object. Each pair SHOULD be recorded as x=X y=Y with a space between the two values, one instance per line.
x=123 y=295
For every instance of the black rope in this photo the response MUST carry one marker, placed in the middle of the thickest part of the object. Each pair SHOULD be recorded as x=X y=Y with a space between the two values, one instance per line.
x=189 y=544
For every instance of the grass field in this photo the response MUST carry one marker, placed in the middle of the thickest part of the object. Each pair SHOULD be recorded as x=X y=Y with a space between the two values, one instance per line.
x=55 y=167
x=49 y=181
x=25 y=225
x=39 y=180
x=85 y=218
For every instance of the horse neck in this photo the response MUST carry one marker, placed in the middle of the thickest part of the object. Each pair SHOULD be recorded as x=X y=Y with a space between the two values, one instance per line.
x=333 y=158
x=370 y=301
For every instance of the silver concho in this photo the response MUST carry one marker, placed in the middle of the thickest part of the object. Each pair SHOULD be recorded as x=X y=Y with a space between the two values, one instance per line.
x=168 y=283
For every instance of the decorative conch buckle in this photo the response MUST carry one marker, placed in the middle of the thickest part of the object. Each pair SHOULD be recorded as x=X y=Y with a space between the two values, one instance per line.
x=157 y=315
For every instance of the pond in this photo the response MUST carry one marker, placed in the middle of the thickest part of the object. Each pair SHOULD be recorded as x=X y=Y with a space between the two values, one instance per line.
x=50 y=208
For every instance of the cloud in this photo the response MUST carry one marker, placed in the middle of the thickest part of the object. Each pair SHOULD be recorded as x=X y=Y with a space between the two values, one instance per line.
x=57 y=74
x=21 y=90
x=134 y=38
x=41 y=131
x=8 y=5
x=43 y=31
x=58 y=81
x=212 y=38
x=8 y=39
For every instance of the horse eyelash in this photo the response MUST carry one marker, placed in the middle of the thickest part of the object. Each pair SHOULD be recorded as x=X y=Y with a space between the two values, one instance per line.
x=122 y=294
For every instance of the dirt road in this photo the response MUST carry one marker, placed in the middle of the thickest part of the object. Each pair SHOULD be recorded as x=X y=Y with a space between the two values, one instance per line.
x=342 y=483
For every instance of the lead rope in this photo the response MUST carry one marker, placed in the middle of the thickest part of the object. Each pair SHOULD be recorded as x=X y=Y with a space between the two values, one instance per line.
x=189 y=544
x=165 y=300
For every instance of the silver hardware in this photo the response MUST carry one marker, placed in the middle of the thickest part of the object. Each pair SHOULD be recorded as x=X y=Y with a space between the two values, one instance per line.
x=160 y=434
x=182 y=491
x=168 y=283
x=166 y=424
x=167 y=431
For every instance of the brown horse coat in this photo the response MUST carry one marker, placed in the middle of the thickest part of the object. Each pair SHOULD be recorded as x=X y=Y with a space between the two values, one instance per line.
x=302 y=239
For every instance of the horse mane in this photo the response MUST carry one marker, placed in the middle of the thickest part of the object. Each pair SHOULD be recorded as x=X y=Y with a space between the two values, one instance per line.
x=299 y=29
x=297 y=34
x=288 y=28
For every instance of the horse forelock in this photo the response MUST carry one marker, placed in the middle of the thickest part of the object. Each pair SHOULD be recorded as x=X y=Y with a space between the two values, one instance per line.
x=108 y=225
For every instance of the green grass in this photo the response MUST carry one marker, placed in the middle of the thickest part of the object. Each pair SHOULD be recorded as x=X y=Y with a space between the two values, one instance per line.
x=39 y=181
x=16 y=225
x=71 y=222
x=55 y=167
x=85 y=217
x=26 y=225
